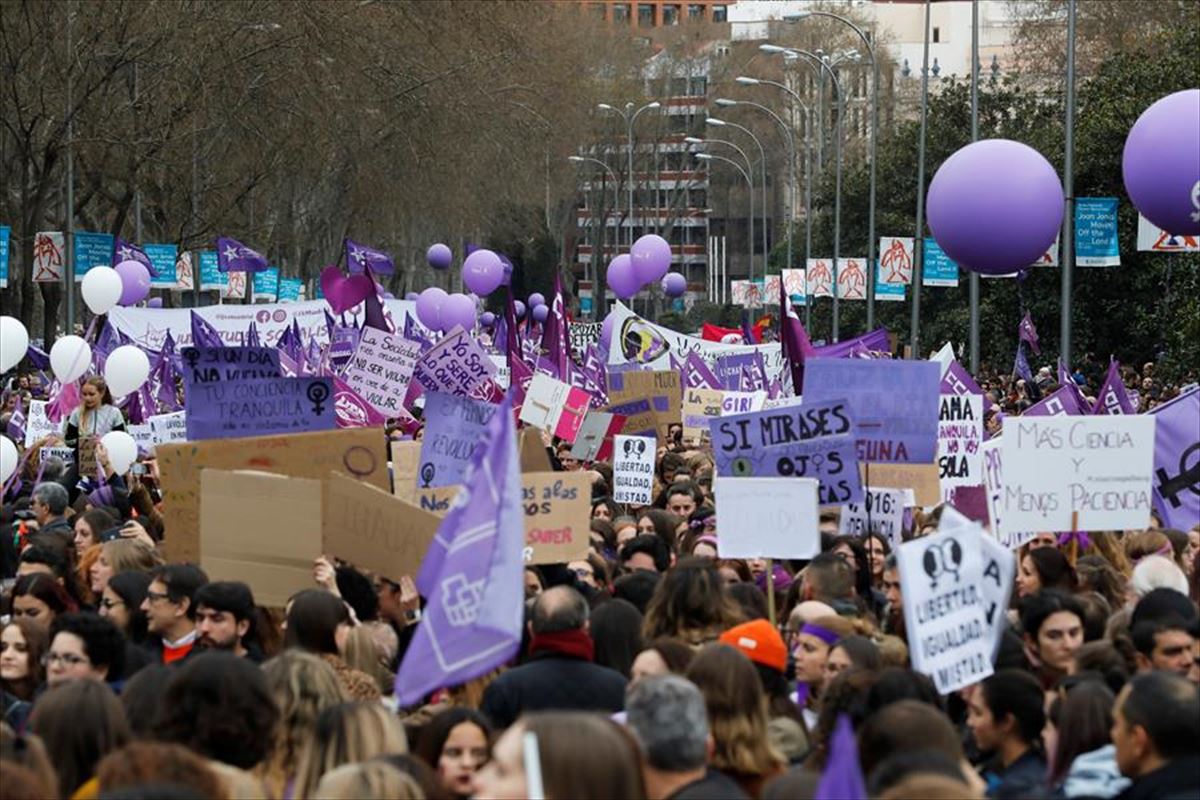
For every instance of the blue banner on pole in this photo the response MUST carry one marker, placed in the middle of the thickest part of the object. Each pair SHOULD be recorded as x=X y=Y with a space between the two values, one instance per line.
x=92 y=250
x=289 y=289
x=211 y=278
x=266 y=284
x=4 y=235
x=936 y=267
x=887 y=292
x=162 y=256
x=1096 y=232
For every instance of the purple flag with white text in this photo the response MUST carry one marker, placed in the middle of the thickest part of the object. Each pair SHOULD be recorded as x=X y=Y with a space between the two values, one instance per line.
x=1112 y=397
x=556 y=340
x=1062 y=401
x=1176 y=481
x=233 y=256
x=359 y=257
x=471 y=575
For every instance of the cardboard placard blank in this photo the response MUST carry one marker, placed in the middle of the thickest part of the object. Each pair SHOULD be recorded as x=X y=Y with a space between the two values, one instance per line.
x=372 y=529
x=921 y=478
x=406 y=460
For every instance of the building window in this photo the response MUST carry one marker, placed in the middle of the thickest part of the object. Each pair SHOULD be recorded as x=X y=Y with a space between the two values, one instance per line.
x=679 y=87
x=698 y=87
x=645 y=15
x=722 y=51
x=697 y=198
x=620 y=12
x=695 y=11
x=670 y=15
x=720 y=13
x=937 y=34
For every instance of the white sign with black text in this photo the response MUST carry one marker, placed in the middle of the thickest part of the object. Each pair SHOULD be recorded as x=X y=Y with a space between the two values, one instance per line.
x=633 y=469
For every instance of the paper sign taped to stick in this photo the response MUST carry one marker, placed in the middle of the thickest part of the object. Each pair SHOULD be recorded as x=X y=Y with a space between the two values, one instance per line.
x=453 y=427
x=259 y=407
x=944 y=609
x=993 y=477
x=829 y=459
x=358 y=452
x=999 y=571
x=920 y=479
x=557 y=516
x=381 y=369
x=283 y=512
x=455 y=365
x=882 y=512
x=1077 y=473
x=595 y=439
x=554 y=406
x=960 y=435
x=372 y=529
x=169 y=428
x=633 y=469
x=767 y=517
x=66 y=454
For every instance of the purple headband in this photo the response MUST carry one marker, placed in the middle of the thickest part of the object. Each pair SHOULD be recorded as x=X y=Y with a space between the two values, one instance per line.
x=824 y=634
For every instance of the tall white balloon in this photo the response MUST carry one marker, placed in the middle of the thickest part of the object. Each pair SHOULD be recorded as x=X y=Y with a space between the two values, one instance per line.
x=126 y=369
x=122 y=450
x=101 y=289
x=70 y=357
x=8 y=458
x=14 y=341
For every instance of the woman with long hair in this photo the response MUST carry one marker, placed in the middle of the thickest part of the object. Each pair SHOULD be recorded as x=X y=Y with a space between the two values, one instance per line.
x=1005 y=715
x=95 y=417
x=319 y=623
x=1082 y=752
x=690 y=603
x=123 y=554
x=1044 y=568
x=22 y=645
x=41 y=599
x=456 y=743
x=346 y=734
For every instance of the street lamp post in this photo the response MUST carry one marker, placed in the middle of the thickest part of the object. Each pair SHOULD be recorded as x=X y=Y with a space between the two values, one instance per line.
x=630 y=116
x=601 y=223
x=973 y=280
x=749 y=186
x=762 y=164
x=919 y=238
x=750 y=169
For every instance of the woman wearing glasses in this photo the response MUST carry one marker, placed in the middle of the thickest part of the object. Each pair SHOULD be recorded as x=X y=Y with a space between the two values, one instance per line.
x=84 y=645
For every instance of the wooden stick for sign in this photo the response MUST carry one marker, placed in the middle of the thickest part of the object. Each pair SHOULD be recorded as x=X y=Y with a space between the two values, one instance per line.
x=1073 y=555
x=771 y=591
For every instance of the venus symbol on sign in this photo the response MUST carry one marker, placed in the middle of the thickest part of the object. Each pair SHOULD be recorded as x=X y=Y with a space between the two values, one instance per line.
x=1188 y=478
x=318 y=393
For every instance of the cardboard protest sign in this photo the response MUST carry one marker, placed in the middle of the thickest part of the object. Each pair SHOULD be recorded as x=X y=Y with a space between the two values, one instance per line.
x=359 y=452
x=169 y=428
x=373 y=530
x=767 y=517
x=554 y=406
x=381 y=369
x=284 y=514
x=736 y=402
x=830 y=460
x=944 y=609
x=595 y=437
x=894 y=404
x=960 y=435
x=436 y=500
x=557 y=516
x=534 y=457
x=881 y=512
x=999 y=571
x=1077 y=473
x=920 y=479
x=455 y=365
x=259 y=407
x=699 y=408
x=650 y=399
x=993 y=476
x=406 y=463
x=453 y=426
x=37 y=424
x=633 y=469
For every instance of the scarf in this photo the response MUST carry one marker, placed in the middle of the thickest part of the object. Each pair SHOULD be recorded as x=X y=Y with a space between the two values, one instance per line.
x=573 y=644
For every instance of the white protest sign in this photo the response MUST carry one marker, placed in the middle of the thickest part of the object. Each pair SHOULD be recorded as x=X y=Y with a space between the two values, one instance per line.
x=787 y=401
x=65 y=453
x=596 y=427
x=993 y=483
x=143 y=435
x=960 y=434
x=999 y=570
x=1077 y=473
x=767 y=517
x=37 y=424
x=169 y=428
x=633 y=469
x=882 y=512
x=554 y=406
x=381 y=369
x=944 y=609
x=742 y=402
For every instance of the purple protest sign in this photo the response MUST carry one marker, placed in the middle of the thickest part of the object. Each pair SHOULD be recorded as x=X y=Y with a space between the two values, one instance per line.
x=1176 y=481
x=728 y=369
x=453 y=428
x=739 y=441
x=238 y=408
x=205 y=365
x=697 y=375
x=1112 y=397
x=894 y=404
x=455 y=365
x=829 y=459
x=381 y=369
x=1062 y=402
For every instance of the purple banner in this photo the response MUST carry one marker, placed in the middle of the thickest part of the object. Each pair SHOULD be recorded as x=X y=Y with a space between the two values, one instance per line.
x=741 y=435
x=240 y=408
x=876 y=341
x=205 y=365
x=728 y=369
x=1176 y=481
x=829 y=459
x=1062 y=401
x=453 y=428
x=894 y=404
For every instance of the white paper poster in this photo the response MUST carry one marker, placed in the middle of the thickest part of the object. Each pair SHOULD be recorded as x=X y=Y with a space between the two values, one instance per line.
x=169 y=428
x=49 y=256
x=143 y=435
x=767 y=517
x=999 y=571
x=555 y=407
x=633 y=469
x=1151 y=238
x=37 y=424
x=820 y=277
x=895 y=259
x=960 y=435
x=993 y=484
x=852 y=279
x=881 y=512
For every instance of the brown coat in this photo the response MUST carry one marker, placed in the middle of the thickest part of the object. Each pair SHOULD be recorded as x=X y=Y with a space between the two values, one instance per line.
x=358 y=685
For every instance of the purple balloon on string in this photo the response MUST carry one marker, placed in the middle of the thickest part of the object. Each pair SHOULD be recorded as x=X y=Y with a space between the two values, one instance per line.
x=458 y=310
x=674 y=284
x=606 y=331
x=519 y=308
x=541 y=312
x=483 y=272
x=621 y=277
x=1161 y=163
x=439 y=256
x=429 y=307
x=536 y=299
x=135 y=282
x=487 y=319
x=651 y=257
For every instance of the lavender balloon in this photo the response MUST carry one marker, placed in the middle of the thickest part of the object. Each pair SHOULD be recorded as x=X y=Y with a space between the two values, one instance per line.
x=458 y=310
x=519 y=308
x=135 y=282
x=439 y=256
x=651 y=257
x=487 y=319
x=536 y=299
x=995 y=206
x=429 y=307
x=411 y=296
x=483 y=272
x=674 y=284
x=621 y=277
x=1161 y=164
x=606 y=331
x=154 y=302
x=541 y=312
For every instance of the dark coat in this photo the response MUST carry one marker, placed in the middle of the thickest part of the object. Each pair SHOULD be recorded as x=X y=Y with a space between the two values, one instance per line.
x=553 y=682
x=1178 y=780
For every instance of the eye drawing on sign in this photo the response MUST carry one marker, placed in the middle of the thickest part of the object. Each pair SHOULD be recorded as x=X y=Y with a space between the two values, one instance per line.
x=942 y=559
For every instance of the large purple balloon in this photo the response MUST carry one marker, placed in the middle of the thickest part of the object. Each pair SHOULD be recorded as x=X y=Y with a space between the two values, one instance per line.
x=541 y=312
x=536 y=299
x=674 y=284
x=135 y=282
x=487 y=319
x=995 y=206
x=429 y=307
x=651 y=257
x=483 y=272
x=458 y=310
x=1162 y=163
x=621 y=277
x=439 y=256
x=606 y=330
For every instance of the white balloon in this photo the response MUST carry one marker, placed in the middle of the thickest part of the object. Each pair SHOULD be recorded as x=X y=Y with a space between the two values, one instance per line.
x=14 y=341
x=101 y=289
x=70 y=357
x=8 y=458
x=126 y=369
x=122 y=450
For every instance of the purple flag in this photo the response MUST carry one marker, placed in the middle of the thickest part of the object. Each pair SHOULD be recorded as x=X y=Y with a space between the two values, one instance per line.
x=513 y=340
x=1065 y=379
x=471 y=575
x=794 y=340
x=16 y=423
x=556 y=340
x=1112 y=398
x=842 y=778
x=1028 y=333
x=875 y=341
x=373 y=316
x=697 y=374
x=127 y=251
x=1021 y=364
x=359 y=257
x=1176 y=483
x=38 y=357
x=1062 y=401
x=204 y=334
x=251 y=339
x=233 y=256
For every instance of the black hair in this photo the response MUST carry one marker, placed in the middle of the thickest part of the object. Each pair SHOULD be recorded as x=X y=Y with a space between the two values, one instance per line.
x=131 y=586
x=637 y=587
x=356 y=589
x=432 y=738
x=49 y=556
x=896 y=768
x=650 y=544
x=1037 y=608
x=142 y=696
x=1053 y=568
x=616 y=629
x=1175 y=733
x=181 y=581
x=895 y=683
x=751 y=599
x=1144 y=632
x=232 y=597
x=1011 y=692
x=102 y=640
x=313 y=620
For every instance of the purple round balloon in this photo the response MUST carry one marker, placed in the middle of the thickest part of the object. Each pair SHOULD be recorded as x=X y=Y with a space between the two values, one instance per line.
x=487 y=319
x=483 y=272
x=439 y=256
x=411 y=296
x=519 y=308
x=674 y=284
x=606 y=331
x=154 y=302
x=541 y=312
x=536 y=299
x=1161 y=163
x=135 y=282
x=651 y=257
x=458 y=310
x=995 y=206
x=429 y=307
x=621 y=277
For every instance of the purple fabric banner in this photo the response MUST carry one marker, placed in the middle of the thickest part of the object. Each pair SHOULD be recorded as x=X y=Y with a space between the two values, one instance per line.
x=1176 y=481
x=875 y=341
x=1063 y=400
x=238 y=408
x=453 y=429
x=1112 y=397
x=233 y=256
x=797 y=347
x=556 y=339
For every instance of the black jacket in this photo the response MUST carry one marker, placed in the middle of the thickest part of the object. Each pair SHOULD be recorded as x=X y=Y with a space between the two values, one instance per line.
x=553 y=682
x=1178 y=780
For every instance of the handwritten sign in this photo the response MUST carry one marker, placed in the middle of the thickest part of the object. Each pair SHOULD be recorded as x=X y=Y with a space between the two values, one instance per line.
x=381 y=369
x=735 y=402
x=1077 y=473
x=633 y=469
x=993 y=484
x=143 y=436
x=168 y=428
x=830 y=460
x=894 y=404
x=742 y=435
x=554 y=406
x=960 y=435
x=557 y=516
x=372 y=529
x=259 y=407
x=37 y=424
x=767 y=517
x=999 y=571
x=881 y=512
x=649 y=398
x=65 y=454
x=455 y=365
x=219 y=365
x=700 y=407
x=453 y=427
x=944 y=609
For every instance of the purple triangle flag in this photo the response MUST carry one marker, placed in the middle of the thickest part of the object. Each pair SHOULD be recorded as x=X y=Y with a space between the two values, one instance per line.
x=128 y=251
x=1021 y=364
x=359 y=257
x=794 y=340
x=203 y=333
x=233 y=256
x=373 y=316
x=1113 y=398
x=1028 y=333
x=513 y=343
x=842 y=778
x=1063 y=401
x=252 y=336
x=556 y=342
x=471 y=574
x=1176 y=482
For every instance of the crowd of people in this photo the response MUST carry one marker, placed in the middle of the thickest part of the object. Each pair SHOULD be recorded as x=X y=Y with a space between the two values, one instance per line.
x=652 y=668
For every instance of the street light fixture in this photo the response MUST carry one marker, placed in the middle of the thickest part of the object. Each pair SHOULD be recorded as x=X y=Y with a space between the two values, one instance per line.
x=602 y=223
x=710 y=157
x=762 y=155
x=630 y=117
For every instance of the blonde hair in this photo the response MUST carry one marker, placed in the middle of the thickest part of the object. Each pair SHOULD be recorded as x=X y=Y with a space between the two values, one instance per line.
x=737 y=711
x=362 y=653
x=1148 y=543
x=346 y=734
x=124 y=554
x=374 y=780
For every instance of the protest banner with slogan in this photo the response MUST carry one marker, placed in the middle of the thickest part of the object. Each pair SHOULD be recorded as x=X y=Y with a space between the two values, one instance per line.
x=1153 y=239
x=554 y=406
x=895 y=260
x=742 y=434
x=456 y=365
x=999 y=571
x=372 y=529
x=1096 y=232
x=993 y=482
x=169 y=428
x=944 y=609
x=584 y=334
x=217 y=365
x=259 y=407
x=453 y=426
x=699 y=408
x=633 y=469
x=828 y=459
x=920 y=479
x=557 y=516
x=767 y=517
x=960 y=434
x=283 y=512
x=359 y=452
x=1077 y=473
x=664 y=390
x=881 y=512
x=594 y=441
x=894 y=404
x=37 y=424
x=143 y=437
x=381 y=369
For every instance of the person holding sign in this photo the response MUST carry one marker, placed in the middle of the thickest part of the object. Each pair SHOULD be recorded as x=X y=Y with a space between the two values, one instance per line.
x=95 y=417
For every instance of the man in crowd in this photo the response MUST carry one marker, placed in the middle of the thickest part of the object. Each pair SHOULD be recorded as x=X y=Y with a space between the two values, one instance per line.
x=225 y=616
x=1156 y=730
x=49 y=503
x=171 y=610
x=830 y=580
x=646 y=552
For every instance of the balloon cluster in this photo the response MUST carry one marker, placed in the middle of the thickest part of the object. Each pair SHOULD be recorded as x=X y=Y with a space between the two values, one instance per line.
x=127 y=284
x=646 y=263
